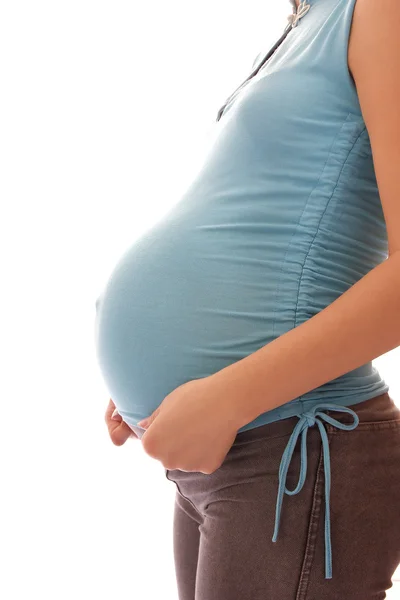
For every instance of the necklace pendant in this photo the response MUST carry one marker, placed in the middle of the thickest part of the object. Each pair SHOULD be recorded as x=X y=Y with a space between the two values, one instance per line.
x=302 y=10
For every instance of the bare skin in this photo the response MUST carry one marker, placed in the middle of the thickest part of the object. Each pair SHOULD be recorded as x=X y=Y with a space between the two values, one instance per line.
x=118 y=430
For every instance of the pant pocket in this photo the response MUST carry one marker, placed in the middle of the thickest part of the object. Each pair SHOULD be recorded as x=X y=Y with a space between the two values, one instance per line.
x=178 y=490
x=380 y=412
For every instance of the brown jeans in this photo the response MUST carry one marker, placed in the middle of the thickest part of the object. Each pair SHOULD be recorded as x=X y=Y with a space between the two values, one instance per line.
x=223 y=522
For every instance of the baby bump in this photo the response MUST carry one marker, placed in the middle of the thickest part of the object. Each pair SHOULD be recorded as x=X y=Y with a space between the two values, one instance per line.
x=177 y=308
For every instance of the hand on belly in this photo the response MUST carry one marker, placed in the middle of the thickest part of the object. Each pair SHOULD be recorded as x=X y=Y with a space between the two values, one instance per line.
x=118 y=430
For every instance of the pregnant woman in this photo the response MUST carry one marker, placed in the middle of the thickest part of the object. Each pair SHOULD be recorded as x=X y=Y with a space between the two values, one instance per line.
x=236 y=336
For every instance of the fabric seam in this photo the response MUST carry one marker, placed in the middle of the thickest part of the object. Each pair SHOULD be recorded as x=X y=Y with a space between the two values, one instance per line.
x=320 y=221
x=329 y=153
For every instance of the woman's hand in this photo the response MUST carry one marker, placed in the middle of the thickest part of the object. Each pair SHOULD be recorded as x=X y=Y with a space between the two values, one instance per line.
x=118 y=430
x=193 y=428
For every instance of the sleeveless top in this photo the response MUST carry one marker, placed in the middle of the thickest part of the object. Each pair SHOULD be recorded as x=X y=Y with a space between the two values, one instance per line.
x=283 y=216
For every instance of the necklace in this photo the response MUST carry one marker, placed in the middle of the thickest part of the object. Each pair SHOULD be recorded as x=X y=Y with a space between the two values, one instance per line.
x=302 y=10
x=293 y=19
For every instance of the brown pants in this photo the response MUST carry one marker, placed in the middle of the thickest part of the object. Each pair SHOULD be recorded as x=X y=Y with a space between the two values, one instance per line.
x=224 y=522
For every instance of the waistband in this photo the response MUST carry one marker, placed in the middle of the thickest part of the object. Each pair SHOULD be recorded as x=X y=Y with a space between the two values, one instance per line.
x=377 y=408
x=368 y=410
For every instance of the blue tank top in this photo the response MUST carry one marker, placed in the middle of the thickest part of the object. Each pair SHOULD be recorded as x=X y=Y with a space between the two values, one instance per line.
x=282 y=217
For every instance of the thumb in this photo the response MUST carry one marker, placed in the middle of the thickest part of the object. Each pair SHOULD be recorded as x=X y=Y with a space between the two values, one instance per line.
x=145 y=423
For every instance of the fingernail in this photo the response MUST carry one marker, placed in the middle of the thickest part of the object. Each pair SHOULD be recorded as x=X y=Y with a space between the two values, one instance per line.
x=115 y=415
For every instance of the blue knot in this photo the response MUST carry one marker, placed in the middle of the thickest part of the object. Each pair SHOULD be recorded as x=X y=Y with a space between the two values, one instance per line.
x=309 y=419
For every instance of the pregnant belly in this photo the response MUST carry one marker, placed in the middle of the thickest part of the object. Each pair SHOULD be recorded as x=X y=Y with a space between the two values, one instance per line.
x=182 y=303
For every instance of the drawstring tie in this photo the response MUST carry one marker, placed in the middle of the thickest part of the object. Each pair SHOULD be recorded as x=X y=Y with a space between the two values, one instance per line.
x=308 y=419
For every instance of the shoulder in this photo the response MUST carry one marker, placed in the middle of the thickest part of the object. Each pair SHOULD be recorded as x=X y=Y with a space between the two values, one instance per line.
x=374 y=41
x=374 y=63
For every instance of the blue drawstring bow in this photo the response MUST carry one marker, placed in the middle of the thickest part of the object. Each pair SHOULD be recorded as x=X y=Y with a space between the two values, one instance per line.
x=308 y=419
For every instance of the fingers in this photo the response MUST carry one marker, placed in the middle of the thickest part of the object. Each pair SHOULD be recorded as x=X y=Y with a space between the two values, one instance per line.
x=110 y=409
x=118 y=430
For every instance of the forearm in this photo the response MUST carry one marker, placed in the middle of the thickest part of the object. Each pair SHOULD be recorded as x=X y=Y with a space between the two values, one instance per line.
x=360 y=325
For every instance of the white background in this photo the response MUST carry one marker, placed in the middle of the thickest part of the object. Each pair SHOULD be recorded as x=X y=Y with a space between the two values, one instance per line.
x=106 y=112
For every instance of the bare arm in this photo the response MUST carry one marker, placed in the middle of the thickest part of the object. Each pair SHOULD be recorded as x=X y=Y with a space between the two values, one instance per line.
x=360 y=325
